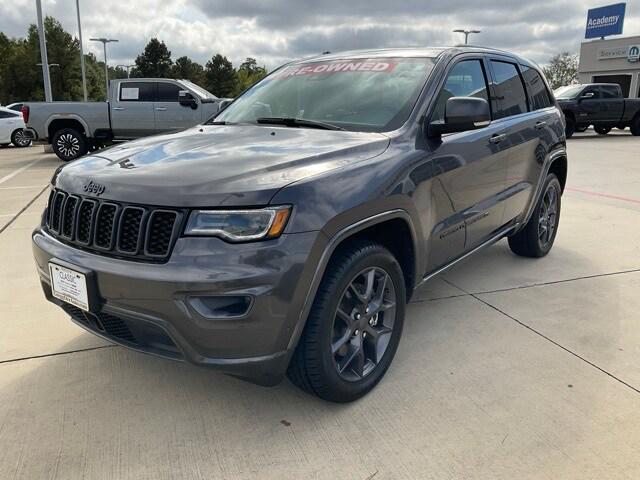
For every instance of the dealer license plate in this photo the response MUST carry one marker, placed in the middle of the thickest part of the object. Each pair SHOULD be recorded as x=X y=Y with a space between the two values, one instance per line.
x=69 y=286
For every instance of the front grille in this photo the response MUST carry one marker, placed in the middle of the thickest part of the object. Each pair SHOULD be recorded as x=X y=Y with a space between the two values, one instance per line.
x=114 y=229
x=103 y=322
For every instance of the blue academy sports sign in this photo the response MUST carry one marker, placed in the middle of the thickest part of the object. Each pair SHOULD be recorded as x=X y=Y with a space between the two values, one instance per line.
x=605 y=21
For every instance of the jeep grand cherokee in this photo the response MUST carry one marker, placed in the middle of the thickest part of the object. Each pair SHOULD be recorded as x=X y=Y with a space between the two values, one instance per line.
x=288 y=232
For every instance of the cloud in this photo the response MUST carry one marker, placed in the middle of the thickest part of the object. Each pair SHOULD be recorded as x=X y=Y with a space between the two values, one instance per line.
x=275 y=31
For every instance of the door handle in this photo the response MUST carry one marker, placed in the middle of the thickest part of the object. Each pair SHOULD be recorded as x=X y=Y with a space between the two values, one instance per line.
x=498 y=138
x=540 y=125
x=118 y=108
x=161 y=109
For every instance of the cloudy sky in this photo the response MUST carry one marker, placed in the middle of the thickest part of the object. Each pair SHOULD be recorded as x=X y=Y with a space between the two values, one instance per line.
x=274 y=31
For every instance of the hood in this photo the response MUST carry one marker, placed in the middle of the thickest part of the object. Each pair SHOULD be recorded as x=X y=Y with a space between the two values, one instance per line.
x=215 y=165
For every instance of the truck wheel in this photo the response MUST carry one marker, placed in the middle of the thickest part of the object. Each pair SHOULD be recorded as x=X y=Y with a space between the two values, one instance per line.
x=537 y=237
x=635 y=126
x=354 y=325
x=19 y=139
x=69 y=144
x=570 y=127
x=602 y=130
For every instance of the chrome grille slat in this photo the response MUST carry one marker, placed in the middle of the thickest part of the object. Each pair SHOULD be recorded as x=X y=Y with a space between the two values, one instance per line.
x=111 y=228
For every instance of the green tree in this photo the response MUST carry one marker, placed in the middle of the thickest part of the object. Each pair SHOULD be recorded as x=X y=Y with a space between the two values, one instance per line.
x=154 y=62
x=220 y=77
x=248 y=73
x=187 y=69
x=562 y=70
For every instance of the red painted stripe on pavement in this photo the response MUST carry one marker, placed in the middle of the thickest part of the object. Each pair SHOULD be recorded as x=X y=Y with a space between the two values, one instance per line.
x=605 y=195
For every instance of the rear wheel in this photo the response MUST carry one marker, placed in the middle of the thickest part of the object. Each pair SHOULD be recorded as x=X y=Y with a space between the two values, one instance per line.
x=354 y=326
x=20 y=139
x=538 y=235
x=602 y=130
x=69 y=144
x=570 y=127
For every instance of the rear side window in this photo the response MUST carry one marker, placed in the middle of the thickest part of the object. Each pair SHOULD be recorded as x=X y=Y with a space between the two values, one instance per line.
x=609 y=92
x=8 y=115
x=466 y=79
x=168 y=92
x=537 y=89
x=137 y=92
x=510 y=90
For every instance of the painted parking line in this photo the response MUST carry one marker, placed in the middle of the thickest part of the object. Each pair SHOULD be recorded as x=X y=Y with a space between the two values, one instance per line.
x=17 y=172
x=603 y=195
x=19 y=188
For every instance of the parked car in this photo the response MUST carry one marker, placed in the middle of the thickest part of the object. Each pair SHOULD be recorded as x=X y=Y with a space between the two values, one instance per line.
x=599 y=104
x=12 y=128
x=137 y=107
x=288 y=233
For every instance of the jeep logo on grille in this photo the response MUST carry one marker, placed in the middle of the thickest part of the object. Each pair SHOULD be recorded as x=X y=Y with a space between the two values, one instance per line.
x=94 y=188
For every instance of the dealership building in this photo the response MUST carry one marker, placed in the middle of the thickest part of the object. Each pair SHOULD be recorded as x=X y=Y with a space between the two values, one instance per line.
x=615 y=60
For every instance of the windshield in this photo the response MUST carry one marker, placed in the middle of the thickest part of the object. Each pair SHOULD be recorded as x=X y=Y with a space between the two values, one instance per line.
x=568 y=91
x=355 y=94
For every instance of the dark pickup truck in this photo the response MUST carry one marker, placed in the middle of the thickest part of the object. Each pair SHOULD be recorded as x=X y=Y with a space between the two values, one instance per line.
x=599 y=104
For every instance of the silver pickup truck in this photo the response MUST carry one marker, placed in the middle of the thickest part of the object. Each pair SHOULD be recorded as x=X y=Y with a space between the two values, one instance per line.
x=137 y=107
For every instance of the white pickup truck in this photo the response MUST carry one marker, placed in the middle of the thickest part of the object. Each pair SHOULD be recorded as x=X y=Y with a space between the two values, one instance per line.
x=137 y=107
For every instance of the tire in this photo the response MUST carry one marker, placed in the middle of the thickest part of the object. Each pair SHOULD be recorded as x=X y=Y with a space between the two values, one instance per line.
x=69 y=144
x=332 y=336
x=570 y=127
x=528 y=242
x=602 y=130
x=635 y=126
x=19 y=139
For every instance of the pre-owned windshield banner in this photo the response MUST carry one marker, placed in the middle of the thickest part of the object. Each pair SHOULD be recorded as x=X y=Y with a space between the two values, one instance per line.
x=324 y=68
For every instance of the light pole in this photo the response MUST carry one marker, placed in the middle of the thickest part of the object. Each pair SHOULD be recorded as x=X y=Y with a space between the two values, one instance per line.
x=84 y=77
x=466 y=33
x=104 y=42
x=127 y=68
x=43 y=53
x=49 y=66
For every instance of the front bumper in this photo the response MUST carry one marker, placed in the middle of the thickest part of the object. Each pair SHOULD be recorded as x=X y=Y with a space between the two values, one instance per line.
x=154 y=307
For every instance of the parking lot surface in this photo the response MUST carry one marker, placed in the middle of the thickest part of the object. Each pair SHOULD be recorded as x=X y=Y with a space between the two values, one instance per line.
x=508 y=367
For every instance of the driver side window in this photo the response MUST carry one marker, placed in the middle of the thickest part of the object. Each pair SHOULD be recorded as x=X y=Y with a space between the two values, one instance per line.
x=466 y=79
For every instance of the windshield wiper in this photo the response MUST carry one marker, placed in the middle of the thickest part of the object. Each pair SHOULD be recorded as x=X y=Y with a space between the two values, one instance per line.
x=297 y=122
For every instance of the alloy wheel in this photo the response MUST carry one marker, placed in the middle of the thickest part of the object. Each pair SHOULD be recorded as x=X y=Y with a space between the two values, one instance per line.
x=548 y=217
x=21 y=139
x=363 y=324
x=68 y=145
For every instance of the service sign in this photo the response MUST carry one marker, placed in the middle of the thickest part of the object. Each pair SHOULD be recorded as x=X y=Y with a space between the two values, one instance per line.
x=605 y=21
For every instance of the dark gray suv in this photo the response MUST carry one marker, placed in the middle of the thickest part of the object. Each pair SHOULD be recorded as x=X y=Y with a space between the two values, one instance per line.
x=287 y=234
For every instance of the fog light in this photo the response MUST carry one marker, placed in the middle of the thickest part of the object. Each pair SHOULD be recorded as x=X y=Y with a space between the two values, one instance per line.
x=222 y=306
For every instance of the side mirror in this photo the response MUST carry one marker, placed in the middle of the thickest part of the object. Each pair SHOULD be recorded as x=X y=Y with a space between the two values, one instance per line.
x=186 y=99
x=587 y=95
x=462 y=114
x=224 y=104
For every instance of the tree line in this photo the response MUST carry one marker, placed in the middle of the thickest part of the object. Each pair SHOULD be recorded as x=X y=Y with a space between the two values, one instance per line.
x=21 y=76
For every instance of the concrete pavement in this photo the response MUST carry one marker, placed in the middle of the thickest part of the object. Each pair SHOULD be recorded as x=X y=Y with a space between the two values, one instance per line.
x=508 y=367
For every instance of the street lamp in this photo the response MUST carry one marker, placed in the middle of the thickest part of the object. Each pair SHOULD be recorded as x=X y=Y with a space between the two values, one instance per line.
x=104 y=42
x=127 y=68
x=49 y=65
x=466 y=33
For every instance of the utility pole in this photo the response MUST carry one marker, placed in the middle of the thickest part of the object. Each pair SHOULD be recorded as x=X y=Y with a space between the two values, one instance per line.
x=43 y=54
x=104 y=42
x=466 y=34
x=84 y=77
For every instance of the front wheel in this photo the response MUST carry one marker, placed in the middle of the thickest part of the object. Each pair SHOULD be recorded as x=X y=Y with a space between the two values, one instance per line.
x=20 y=139
x=602 y=130
x=635 y=126
x=537 y=236
x=354 y=325
x=69 y=144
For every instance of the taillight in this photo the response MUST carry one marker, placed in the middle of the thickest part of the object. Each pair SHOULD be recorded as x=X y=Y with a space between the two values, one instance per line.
x=25 y=113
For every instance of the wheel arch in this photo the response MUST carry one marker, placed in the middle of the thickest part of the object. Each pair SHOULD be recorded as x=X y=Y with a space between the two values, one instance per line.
x=380 y=228
x=55 y=124
x=559 y=168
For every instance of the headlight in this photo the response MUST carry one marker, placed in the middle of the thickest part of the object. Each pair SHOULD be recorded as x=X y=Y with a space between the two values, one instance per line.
x=239 y=225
